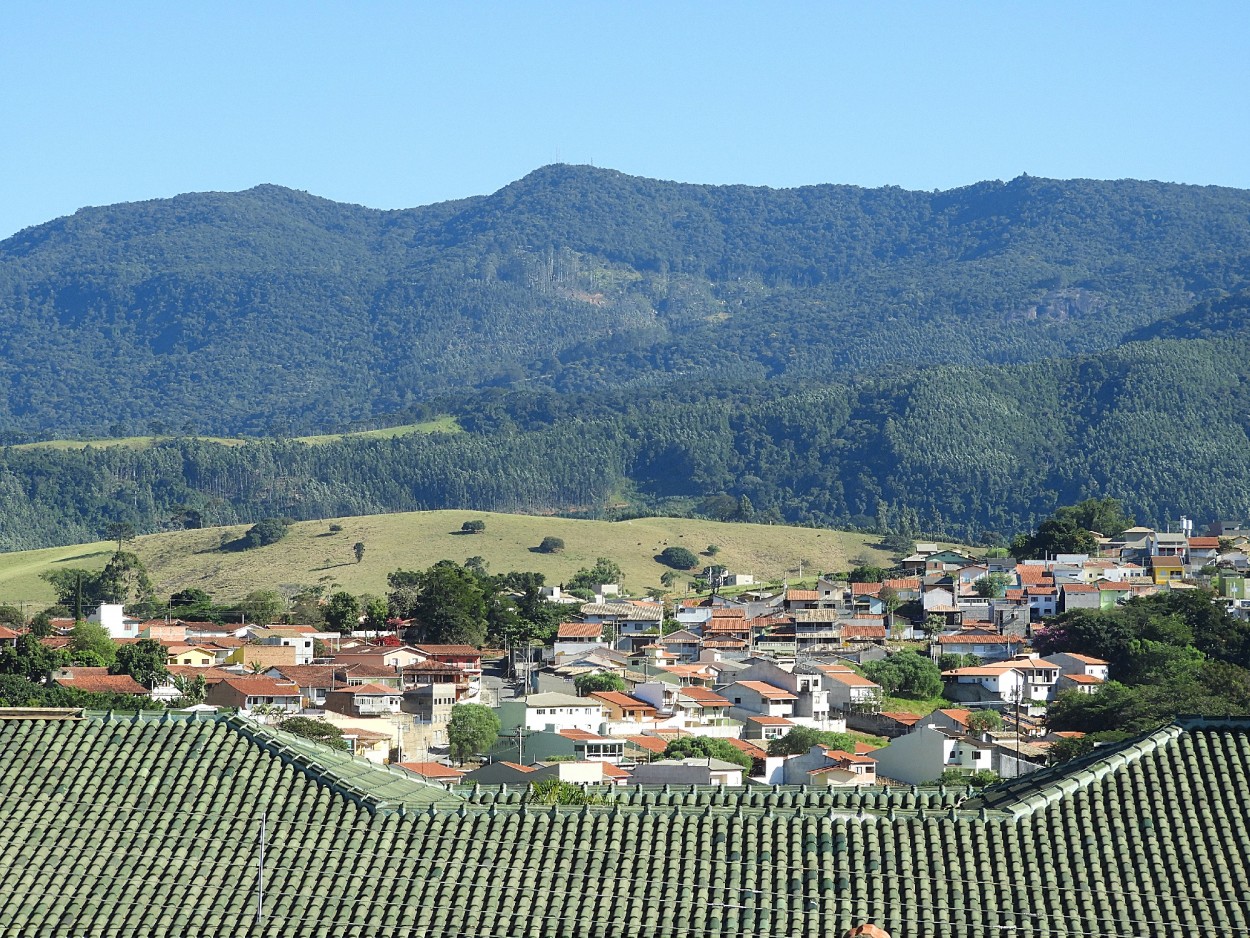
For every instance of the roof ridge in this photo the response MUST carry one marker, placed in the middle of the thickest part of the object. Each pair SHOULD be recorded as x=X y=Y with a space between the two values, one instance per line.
x=1036 y=791
x=325 y=766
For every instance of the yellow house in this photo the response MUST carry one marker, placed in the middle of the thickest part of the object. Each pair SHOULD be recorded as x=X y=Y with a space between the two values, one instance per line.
x=262 y=656
x=190 y=655
x=1166 y=569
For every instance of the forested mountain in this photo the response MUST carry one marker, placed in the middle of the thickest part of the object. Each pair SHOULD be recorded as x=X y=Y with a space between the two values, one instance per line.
x=272 y=311
x=973 y=452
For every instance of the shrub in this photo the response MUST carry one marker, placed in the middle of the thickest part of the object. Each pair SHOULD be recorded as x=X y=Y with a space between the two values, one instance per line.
x=551 y=545
x=473 y=527
x=268 y=531
x=679 y=558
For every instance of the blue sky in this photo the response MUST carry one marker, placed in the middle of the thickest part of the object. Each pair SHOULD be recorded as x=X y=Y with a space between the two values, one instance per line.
x=400 y=104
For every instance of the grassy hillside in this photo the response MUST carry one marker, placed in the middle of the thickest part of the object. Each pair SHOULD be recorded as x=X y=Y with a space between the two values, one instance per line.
x=311 y=554
x=445 y=424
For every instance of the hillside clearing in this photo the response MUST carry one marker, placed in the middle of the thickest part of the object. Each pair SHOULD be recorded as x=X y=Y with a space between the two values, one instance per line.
x=311 y=554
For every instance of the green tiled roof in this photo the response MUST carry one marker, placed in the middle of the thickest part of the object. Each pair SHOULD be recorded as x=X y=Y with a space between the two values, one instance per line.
x=149 y=827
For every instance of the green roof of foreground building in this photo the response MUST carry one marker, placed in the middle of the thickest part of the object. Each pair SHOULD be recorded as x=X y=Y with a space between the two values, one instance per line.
x=150 y=825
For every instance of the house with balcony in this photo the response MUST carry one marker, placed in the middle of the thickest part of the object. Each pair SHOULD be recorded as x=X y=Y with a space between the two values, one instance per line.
x=849 y=692
x=624 y=714
x=988 y=646
x=551 y=711
x=750 y=698
x=705 y=712
x=364 y=700
x=465 y=657
x=811 y=700
x=1023 y=679
x=249 y=693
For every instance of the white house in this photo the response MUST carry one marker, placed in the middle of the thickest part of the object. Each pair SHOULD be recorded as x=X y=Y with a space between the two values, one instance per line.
x=112 y=616
x=1022 y=679
x=924 y=754
x=551 y=711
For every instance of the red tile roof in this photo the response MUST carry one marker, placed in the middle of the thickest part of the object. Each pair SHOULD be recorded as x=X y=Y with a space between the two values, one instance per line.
x=582 y=736
x=262 y=687
x=770 y=721
x=103 y=683
x=579 y=630
x=624 y=701
x=863 y=631
x=752 y=750
x=432 y=770
x=650 y=743
x=768 y=691
x=801 y=595
x=701 y=695
x=467 y=650
x=865 y=589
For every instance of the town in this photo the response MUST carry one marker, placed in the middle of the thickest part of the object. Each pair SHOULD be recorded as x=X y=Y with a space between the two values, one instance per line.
x=739 y=686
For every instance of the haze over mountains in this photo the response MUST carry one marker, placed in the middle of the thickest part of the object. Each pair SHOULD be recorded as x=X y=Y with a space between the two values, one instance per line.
x=1089 y=338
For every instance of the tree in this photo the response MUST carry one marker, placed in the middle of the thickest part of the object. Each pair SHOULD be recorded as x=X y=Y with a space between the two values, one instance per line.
x=473 y=527
x=11 y=616
x=992 y=585
x=868 y=574
x=906 y=674
x=359 y=550
x=315 y=729
x=951 y=660
x=983 y=721
x=889 y=598
x=144 y=661
x=120 y=531
x=801 y=739
x=375 y=612
x=712 y=550
x=125 y=580
x=1069 y=748
x=193 y=690
x=982 y=778
x=679 y=558
x=447 y=604
x=706 y=747
x=91 y=638
x=899 y=545
x=479 y=566
x=668 y=578
x=30 y=659
x=933 y=626
x=41 y=624
x=1058 y=534
x=262 y=606
x=265 y=532
x=342 y=612
x=471 y=729
x=588 y=684
x=605 y=570
x=551 y=545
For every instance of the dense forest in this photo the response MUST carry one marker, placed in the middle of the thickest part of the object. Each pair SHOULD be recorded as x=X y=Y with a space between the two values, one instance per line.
x=975 y=453
x=953 y=363
x=271 y=312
